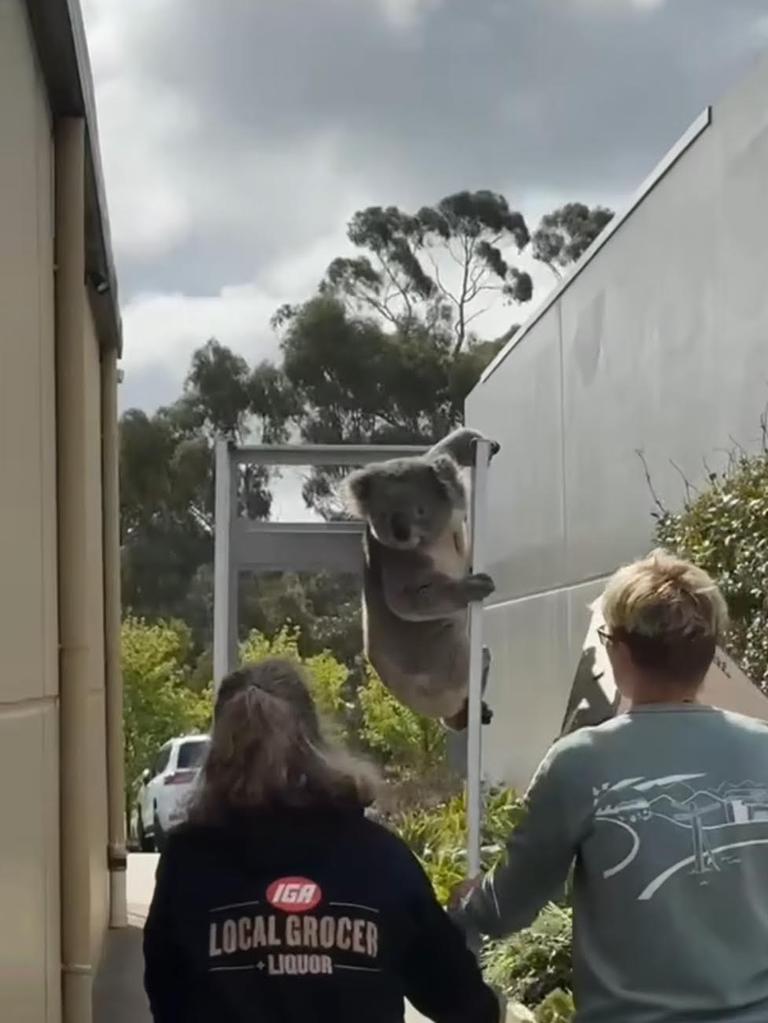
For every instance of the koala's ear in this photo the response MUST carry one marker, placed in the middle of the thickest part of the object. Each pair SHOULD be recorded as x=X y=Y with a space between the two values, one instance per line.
x=358 y=487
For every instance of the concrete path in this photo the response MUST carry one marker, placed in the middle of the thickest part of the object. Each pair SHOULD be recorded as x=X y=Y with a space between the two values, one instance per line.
x=119 y=991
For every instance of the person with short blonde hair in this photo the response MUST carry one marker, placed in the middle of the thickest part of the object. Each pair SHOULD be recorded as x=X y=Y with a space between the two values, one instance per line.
x=663 y=814
x=278 y=900
x=664 y=618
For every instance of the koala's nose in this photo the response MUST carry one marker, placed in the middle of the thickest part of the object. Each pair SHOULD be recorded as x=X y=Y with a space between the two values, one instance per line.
x=401 y=529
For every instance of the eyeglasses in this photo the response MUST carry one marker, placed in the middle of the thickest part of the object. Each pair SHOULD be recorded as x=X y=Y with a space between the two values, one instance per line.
x=604 y=636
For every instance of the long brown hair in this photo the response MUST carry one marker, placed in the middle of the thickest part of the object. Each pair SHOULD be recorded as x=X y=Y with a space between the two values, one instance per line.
x=267 y=749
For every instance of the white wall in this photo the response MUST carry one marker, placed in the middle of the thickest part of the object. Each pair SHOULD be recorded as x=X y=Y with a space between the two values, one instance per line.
x=659 y=343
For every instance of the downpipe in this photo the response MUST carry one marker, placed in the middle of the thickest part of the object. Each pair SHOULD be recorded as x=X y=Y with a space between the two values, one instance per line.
x=75 y=626
x=117 y=859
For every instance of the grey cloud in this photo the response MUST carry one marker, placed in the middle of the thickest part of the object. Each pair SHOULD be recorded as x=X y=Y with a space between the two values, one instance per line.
x=148 y=388
x=527 y=96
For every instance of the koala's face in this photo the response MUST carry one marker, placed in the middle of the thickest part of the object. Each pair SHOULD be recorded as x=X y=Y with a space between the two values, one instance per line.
x=408 y=502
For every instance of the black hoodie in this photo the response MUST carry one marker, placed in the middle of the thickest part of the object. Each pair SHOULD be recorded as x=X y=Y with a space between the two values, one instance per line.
x=303 y=916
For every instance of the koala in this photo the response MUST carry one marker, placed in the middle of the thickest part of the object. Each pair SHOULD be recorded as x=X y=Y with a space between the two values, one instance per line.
x=416 y=582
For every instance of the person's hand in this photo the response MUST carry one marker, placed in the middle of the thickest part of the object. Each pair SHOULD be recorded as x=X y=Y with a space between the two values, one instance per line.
x=462 y=891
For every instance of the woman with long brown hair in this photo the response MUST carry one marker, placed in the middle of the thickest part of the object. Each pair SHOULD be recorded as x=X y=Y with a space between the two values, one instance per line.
x=278 y=900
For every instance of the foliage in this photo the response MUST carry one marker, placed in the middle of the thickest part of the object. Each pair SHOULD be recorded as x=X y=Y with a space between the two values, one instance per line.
x=158 y=704
x=565 y=234
x=435 y=268
x=438 y=835
x=408 y=743
x=166 y=481
x=324 y=608
x=532 y=967
x=724 y=530
x=533 y=964
x=557 y=1007
x=358 y=382
x=384 y=351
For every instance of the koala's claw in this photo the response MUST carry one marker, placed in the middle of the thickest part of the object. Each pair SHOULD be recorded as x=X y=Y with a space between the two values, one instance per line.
x=479 y=586
x=459 y=721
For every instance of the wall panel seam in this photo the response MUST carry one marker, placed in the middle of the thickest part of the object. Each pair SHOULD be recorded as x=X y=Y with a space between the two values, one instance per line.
x=8 y=707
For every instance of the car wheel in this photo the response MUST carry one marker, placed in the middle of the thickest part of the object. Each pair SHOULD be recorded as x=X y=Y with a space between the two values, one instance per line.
x=146 y=843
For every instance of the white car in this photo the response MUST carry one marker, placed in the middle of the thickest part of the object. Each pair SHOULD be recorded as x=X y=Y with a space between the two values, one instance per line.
x=166 y=787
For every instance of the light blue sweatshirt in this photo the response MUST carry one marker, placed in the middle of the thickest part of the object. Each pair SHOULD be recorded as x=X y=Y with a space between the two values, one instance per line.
x=664 y=812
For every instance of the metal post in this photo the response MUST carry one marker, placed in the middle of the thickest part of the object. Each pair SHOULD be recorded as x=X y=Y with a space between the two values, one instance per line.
x=222 y=589
x=474 y=725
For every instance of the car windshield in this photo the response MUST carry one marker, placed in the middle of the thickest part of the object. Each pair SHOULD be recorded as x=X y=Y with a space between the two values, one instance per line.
x=192 y=754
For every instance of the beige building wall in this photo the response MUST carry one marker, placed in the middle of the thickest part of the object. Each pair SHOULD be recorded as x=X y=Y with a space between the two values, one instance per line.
x=36 y=305
x=29 y=854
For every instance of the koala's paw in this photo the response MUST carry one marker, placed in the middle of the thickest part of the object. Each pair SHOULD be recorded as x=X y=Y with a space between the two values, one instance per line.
x=478 y=587
x=459 y=721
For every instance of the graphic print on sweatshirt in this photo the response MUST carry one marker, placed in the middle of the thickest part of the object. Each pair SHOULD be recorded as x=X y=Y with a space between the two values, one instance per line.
x=293 y=931
x=696 y=830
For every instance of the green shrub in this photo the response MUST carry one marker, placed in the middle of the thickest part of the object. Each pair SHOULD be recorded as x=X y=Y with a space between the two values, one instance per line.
x=157 y=702
x=532 y=967
x=557 y=1007
x=534 y=964
x=724 y=530
x=438 y=835
x=409 y=745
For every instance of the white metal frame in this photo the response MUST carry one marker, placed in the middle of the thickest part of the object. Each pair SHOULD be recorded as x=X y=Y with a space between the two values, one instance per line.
x=245 y=545
x=474 y=725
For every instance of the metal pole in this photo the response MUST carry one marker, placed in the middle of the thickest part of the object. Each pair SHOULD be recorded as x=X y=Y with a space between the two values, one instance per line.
x=474 y=725
x=222 y=591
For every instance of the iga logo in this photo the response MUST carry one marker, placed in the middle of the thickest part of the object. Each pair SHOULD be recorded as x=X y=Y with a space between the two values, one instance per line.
x=294 y=894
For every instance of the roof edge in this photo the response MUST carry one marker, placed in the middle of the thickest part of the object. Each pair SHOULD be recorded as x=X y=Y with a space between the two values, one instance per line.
x=59 y=35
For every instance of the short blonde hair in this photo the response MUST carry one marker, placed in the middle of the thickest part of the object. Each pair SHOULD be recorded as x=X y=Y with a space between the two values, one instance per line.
x=669 y=612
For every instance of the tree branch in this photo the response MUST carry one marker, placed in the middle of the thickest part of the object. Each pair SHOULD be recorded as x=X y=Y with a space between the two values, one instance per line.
x=656 y=500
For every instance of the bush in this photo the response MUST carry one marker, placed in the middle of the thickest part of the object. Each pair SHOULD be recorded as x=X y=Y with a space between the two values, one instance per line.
x=724 y=530
x=410 y=745
x=534 y=966
x=438 y=835
x=157 y=702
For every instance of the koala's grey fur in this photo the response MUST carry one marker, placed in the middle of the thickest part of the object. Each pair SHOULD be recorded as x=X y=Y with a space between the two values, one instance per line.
x=417 y=584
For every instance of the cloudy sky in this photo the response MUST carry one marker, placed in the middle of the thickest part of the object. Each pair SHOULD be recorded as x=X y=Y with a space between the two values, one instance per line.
x=239 y=135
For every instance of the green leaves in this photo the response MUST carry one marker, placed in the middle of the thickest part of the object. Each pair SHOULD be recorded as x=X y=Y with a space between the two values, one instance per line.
x=534 y=966
x=435 y=270
x=410 y=744
x=724 y=529
x=437 y=834
x=157 y=701
x=565 y=234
